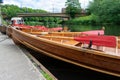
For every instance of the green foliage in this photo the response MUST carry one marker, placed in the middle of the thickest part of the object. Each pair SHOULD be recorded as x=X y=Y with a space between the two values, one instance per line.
x=46 y=21
x=107 y=11
x=48 y=77
x=85 y=20
x=12 y=10
x=73 y=7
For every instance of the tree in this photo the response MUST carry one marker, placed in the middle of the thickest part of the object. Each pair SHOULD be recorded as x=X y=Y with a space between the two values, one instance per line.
x=12 y=10
x=106 y=11
x=73 y=7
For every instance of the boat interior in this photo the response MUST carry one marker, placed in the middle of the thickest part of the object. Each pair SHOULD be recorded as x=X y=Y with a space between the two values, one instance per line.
x=68 y=38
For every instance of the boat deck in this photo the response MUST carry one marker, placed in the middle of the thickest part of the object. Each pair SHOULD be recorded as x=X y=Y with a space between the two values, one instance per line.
x=14 y=64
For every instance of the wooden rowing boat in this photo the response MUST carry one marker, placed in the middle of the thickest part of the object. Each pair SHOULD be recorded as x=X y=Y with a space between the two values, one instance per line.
x=62 y=46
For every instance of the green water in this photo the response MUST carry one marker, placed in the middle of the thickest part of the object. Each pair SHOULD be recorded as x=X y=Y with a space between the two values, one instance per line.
x=109 y=30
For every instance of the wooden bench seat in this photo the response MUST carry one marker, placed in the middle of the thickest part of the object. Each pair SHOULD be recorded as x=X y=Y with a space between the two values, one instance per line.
x=67 y=34
x=61 y=39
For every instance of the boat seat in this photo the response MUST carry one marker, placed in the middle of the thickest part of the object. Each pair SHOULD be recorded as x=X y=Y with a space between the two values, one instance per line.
x=25 y=30
x=72 y=42
x=64 y=40
x=38 y=33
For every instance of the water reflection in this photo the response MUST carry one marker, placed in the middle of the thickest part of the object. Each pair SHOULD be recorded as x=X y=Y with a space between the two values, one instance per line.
x=109 y=30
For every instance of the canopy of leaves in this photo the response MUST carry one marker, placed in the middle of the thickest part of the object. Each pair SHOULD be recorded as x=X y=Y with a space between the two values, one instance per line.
x=85 y=20
x=73 y=7
x=12 y=10
x=107 y=11
x=46 y=21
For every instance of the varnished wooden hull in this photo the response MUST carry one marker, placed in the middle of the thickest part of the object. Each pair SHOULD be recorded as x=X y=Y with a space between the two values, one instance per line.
x=9 y=31
x=119 y=42
x=90 y=59
x=3 y=29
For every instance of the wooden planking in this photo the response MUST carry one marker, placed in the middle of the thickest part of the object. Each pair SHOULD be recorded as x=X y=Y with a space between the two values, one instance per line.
x=68 y=34
x=119 y=42
x=61 y=39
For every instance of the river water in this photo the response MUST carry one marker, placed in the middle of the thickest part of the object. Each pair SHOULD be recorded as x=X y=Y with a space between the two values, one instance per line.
x=109 y=30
